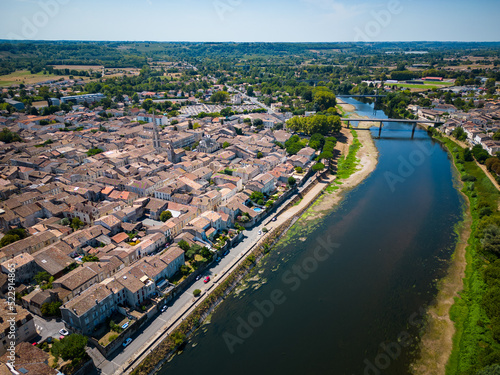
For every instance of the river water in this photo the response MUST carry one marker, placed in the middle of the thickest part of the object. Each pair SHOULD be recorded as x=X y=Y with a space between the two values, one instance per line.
x=346 y=294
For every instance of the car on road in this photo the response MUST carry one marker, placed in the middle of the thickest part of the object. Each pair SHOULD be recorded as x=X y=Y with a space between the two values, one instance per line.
x=206 y=279
x=163 y=308
x=227 y=252
x=63 y=332
x=198 y=277
x=273 y=219
x=260 y=232
x=127 y=342
x=217 y=260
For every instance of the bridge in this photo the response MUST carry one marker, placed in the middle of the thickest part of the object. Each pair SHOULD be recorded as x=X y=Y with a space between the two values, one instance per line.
x=380 y=121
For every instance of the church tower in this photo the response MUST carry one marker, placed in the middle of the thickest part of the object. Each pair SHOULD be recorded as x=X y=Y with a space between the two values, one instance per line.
x=156 y=135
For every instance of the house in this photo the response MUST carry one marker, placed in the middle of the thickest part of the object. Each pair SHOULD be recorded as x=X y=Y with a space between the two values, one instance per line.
x=24 y=265
x=174 y=259
x=24 y=323
x=28 y=360
x=89 y=309
x=265 y=183
x=53 y=261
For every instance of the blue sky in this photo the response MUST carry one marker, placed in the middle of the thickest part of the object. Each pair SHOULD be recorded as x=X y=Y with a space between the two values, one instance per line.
x=251 y=20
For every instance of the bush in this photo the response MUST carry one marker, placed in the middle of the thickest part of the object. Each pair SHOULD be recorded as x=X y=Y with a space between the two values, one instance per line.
x=468 y=178
x=196 y=292
x=112 y=337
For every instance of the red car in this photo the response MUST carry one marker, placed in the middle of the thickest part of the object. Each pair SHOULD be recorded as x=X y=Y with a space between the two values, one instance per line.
x=206 y=279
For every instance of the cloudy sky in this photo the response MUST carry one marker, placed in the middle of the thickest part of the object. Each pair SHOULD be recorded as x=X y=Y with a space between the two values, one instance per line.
x=251 y=20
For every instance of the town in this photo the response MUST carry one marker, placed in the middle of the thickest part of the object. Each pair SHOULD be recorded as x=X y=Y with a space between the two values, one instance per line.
x=115 y=204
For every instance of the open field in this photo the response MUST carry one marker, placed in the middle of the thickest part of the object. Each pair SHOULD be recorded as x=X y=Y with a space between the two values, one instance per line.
x=428 y=85
x=25 y=77
x=79 y=67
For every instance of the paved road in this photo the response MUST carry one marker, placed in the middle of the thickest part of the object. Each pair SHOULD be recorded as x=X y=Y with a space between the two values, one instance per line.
x=109 y=367
x=47 y=328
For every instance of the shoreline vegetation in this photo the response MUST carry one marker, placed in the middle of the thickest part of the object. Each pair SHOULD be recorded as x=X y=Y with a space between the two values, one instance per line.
x=359 y=158
x=459 y=336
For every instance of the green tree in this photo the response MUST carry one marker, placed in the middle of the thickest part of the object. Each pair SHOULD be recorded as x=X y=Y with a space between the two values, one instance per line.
x=71 y=347
x=165 y=215
x=196 y=292
x=42 y=276
x=220 y=97
x=94 y=151
x=90 y=258
x=292 y=181
x=256 y=196
x=324 y=99
x=318 y=167
x=226 y=145
x=183 y=245
x=260 y=155
x=76 y=223
x=51 y=309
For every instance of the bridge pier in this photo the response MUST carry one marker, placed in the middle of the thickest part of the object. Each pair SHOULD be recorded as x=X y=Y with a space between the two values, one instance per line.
x=380 y=129
x=348 y=124
x=413 y=130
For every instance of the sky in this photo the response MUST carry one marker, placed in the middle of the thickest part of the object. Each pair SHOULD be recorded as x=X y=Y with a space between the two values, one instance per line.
x=251 y=20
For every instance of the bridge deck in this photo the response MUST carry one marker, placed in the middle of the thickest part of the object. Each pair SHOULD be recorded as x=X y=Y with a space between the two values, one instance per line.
x=393 y=120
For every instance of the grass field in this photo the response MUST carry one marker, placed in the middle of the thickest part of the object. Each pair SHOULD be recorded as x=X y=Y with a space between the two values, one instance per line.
x=24 y=76
x=428 y=85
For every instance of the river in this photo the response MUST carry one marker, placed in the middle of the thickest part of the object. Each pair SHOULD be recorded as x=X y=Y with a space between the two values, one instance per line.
x=344 y=295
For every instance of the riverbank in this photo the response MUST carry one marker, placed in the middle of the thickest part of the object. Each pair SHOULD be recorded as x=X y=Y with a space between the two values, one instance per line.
x=436 y=344
x=459 y=336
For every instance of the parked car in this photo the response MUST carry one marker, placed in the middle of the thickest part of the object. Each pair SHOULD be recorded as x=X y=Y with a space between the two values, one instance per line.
x=217 y=260
x=63 y=332
x=163 y=308
x=127 y=342
x=206 y=279
x=124 y=326
x=273 y=219
x=227 y=252
x=260 y=232
x=198 y=277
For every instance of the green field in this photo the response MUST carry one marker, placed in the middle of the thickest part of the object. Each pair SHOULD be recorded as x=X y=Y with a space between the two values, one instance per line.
x=25 y=77
x=428 y=85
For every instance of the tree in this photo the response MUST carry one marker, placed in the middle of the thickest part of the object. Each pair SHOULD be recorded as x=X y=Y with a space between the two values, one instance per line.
x=90 y=258
x=317 y=141
x=490 y=370
x=42 y=276
x=318 y=167
x=183 y=245
x=94 y=151
x=292 y=181
x=258 y=123
x=196 y=292
x=468 y=155
x=220 y=97
x=51 y=309
x=7 y=136
x=76 y=223
x=71 y=347
x=165 y=215
x=256 y=196
x=250 y=91
x=324 y=99
x=226 y=144
x=65 y=221
x=260 y=155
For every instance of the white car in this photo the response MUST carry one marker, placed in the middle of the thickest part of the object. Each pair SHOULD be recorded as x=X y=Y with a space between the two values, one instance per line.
x=63 y=332
x=260 y=232
x=127 y=342
x=163 y=308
